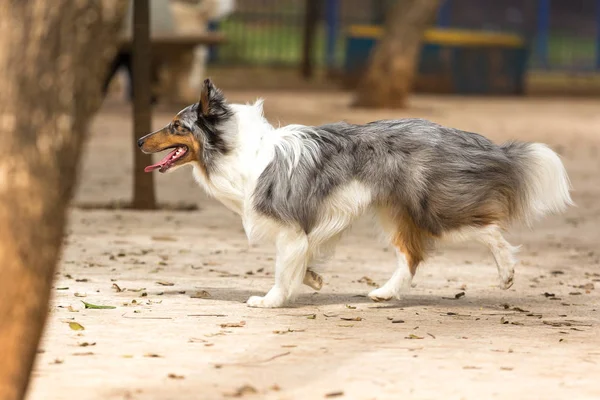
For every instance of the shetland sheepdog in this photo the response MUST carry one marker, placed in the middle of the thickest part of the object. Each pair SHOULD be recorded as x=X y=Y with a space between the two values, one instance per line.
x=303 y=186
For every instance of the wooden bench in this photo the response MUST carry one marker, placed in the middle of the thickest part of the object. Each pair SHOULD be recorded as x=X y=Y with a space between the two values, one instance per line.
x=177 y=43
x=175 y=51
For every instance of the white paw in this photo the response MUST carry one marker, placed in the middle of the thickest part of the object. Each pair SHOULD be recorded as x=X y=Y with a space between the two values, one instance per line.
x=265 y=302
x=382 y=294
x=507 y=278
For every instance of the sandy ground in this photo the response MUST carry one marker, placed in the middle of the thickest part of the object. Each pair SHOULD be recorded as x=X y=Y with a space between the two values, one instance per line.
x=181 y=330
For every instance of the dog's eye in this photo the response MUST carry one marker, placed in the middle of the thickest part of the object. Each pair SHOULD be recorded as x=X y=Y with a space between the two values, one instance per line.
x=176 y=125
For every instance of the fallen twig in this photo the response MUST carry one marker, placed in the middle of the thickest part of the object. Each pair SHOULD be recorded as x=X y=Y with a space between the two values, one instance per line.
x=206 y=315
x=126 y=316
x=287 y=353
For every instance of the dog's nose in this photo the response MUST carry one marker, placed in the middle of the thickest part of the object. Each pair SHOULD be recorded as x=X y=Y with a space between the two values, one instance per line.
x=140 y=142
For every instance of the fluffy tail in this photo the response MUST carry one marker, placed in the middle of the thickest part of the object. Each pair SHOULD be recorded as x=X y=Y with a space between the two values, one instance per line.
x=543 y=185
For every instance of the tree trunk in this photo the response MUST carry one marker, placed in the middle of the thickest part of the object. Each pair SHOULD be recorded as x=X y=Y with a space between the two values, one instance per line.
x=143 y=183
x=53 y=55
x=311 y=19
x=389 y=77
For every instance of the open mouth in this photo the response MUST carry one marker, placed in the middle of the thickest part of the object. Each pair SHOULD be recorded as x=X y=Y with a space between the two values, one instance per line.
x=170 y=159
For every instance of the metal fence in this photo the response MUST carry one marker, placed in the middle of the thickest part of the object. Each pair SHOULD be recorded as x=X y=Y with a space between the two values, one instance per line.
x=563 y=34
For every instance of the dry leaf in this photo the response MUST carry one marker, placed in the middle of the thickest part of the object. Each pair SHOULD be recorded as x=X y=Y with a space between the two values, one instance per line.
x=80 y=294
x=367 y=280
x=87 y=353
x=76 y=326
x=152 y=355
x=117 y=288
x=202 y=294
x=334 y=394
x=412 y=336
x=242 y=391
x=163 y=283
x=97 y=307
x=350 y=307
x=216 y=334
x=351 y=318
x=288 y=331
x=587 y=286
x=174 y=376
x=164 y=238
x=240 y=324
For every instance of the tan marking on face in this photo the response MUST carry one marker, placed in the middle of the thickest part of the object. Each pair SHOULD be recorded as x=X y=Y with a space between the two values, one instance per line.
x=164 y=139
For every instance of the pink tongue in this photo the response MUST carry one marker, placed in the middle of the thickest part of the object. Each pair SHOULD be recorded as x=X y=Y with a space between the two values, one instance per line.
x=160 y=164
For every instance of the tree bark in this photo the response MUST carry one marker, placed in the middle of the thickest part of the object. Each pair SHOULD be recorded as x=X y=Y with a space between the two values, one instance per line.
x=53 y=56
x=389 y=77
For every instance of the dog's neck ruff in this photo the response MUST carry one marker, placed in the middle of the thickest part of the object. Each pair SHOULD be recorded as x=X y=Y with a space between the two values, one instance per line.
x=252 y=141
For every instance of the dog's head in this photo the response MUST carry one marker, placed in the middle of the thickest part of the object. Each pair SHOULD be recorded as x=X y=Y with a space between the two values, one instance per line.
x=196 y=134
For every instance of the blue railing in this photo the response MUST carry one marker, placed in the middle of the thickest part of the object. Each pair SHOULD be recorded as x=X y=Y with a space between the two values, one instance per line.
x=562 y=34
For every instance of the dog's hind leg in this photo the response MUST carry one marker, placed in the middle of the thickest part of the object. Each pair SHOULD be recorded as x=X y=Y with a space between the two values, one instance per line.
x=503 y=252
x=290 y=269
x=319 y=254
x=399 y=283
x=410 y=243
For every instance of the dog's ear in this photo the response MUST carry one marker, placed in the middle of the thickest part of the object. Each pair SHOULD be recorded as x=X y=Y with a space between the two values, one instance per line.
x=212 y=103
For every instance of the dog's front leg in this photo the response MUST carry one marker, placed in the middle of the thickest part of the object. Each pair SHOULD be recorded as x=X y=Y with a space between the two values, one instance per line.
x=290 y=268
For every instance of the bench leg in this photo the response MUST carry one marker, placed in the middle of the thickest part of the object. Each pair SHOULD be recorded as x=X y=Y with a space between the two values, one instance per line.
x=177 y=85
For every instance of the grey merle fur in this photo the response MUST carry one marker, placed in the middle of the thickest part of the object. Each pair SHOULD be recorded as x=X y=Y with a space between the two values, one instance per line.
x=442 y=178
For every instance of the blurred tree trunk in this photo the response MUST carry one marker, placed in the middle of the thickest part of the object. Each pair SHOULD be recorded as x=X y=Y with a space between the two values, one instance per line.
x=53 y=56
x=143 y=183
x=389 y=77
x=311 y=21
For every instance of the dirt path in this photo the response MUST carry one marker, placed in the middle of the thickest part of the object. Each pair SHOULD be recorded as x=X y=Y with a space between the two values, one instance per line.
x=180 y=329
